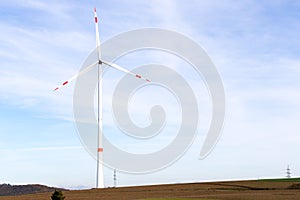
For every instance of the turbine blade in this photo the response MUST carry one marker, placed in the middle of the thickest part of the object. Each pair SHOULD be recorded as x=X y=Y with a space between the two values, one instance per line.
x=113 y=65
x=85 y=70
x=97 y=34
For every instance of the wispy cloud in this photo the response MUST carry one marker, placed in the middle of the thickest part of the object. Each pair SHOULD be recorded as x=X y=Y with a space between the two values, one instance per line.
x=54 y=148
x=34 y=59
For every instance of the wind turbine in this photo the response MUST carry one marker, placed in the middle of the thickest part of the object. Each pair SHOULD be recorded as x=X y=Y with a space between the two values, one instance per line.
x=99 y=63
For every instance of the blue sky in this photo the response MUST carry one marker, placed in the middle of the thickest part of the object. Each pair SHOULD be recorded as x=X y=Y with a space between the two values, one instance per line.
x=254 y=45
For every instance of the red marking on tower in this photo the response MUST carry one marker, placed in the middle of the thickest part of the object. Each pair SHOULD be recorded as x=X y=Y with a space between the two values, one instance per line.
x=100 y=150
x=55 y=89
x=96 y=20
x=148 y=80
x=95 y=9
x=65 y=83
x=138 y=76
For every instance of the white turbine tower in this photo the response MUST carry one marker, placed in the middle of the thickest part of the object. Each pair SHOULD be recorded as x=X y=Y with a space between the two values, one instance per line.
x=99 y=174
x=98 y=63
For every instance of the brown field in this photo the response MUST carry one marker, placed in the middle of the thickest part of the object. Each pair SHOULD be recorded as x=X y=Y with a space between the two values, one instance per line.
x=264 y=190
